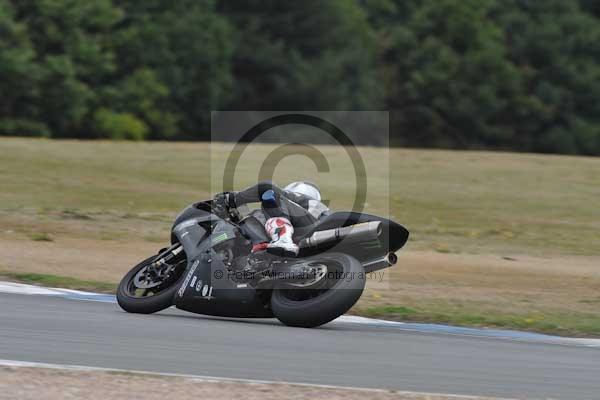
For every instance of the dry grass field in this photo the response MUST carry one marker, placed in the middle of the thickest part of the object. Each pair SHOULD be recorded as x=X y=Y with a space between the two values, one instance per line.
x=497 y=239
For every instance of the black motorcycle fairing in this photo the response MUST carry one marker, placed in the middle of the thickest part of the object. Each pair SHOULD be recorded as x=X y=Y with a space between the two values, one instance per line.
x=200 y=211
x=208 y=287
x=393 y=236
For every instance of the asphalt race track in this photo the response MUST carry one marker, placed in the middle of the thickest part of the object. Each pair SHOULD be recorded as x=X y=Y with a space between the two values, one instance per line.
x=63 y=331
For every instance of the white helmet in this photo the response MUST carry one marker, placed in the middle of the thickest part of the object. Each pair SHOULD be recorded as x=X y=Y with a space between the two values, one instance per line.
x=304 y=188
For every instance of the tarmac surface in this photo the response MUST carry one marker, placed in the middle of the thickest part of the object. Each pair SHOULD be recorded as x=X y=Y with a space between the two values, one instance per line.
x=51 y=329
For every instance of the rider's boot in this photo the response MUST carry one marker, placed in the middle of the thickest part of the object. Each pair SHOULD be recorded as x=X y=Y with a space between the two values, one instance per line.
x=281 y=230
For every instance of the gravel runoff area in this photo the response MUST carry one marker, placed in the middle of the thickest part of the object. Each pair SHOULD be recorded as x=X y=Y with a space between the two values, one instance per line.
x=25 y=383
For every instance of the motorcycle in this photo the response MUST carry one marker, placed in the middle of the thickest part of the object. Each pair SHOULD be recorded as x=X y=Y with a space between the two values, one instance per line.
x=210 y=267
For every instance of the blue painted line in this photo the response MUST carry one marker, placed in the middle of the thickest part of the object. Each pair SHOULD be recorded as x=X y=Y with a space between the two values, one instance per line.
x=459 y=330
x=478 y=332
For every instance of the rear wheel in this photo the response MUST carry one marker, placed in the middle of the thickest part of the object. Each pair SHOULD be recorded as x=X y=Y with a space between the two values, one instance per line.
x=334 y=294
x=150 y=286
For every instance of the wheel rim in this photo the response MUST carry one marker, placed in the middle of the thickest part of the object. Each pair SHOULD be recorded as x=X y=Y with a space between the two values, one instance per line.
x=328 y=279
x=315 y=273
x=152 y=278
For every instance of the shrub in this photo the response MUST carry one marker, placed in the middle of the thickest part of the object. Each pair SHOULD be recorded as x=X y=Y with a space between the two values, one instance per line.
x=23 y=127
x=119 y=126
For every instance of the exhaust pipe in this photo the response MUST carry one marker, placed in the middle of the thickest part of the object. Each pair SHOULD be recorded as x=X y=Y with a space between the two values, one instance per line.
x=349 y=234
x=380 y=263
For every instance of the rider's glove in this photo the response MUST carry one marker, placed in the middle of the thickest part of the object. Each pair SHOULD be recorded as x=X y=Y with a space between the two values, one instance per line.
x=224 y=204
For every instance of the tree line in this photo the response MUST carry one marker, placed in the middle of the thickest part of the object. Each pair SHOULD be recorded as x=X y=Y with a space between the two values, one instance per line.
x=500 y=74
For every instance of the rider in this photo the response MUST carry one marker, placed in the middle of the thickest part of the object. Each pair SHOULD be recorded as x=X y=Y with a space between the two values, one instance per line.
x=298 y=204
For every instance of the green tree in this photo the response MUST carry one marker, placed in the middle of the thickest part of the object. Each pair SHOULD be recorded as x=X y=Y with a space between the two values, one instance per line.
x=302 y=55
x=508 y=74
x=450 y=83
x=188 y=47
x=72 y=55
x=19 y=78
x=556 y=48
x=512 y=74
x=152 y=63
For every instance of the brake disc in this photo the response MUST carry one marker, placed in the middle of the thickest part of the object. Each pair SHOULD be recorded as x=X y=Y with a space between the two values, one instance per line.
x=147 y=279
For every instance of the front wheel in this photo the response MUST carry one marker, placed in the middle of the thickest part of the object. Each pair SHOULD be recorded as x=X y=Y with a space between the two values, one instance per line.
x=340 y=288
x=149 y=288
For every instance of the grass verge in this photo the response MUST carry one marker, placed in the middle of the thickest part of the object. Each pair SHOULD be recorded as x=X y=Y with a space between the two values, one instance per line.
x=578 y=324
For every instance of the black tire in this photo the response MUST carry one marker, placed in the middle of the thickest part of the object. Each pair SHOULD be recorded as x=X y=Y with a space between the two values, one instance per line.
x=340 y=296
x=145 y=305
